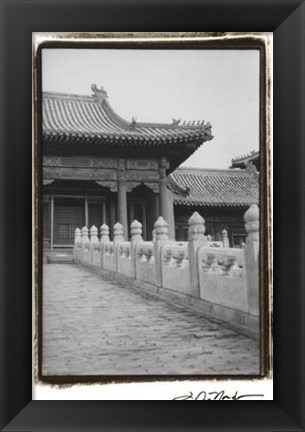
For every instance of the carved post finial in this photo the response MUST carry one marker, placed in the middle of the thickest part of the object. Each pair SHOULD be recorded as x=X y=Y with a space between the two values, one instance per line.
x=162 y=236
x=77 y=245
x=225 y=238
x=77 y=237
x=104 y=230
x=93 y=234
x=196 y=227
x=161 y=229
x=154 y=235
x=118 y=231
x=84 y=234
x=94 y=245
x=136 y=231
x=251 y=218
x=196 y=238
x=85 y=243
x=251 y=251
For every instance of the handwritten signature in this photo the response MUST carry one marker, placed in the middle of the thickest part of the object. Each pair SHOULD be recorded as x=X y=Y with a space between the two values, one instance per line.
x=221 y=395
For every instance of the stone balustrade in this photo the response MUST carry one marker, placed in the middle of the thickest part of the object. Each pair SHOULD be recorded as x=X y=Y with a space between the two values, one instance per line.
x=125 y=264
x=222 y=277
x=77 y=246
x=175 y=267
x=108 y=252
x=145 y=262
x=224 y=280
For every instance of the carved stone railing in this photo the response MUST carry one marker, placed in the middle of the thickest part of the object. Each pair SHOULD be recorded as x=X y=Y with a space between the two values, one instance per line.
x=77 y=251
x=225 y=279
x=145 y=262
x=95 y=246
x=175 y=267
x=125 y=265
x=86 y=253
x=109 y=256
x=222 y=277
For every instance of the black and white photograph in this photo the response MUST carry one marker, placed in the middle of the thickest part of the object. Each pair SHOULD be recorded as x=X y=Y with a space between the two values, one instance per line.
x=150 y=204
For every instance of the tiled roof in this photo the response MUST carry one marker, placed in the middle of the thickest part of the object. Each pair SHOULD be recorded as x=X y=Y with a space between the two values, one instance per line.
x=243 y=160
x=74 y=118
x=207 y=187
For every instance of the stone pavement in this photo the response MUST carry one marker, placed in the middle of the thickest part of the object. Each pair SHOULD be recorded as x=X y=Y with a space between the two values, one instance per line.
x=93 y=326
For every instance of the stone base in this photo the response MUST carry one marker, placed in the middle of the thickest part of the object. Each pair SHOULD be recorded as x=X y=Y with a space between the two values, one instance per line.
x=64 y=256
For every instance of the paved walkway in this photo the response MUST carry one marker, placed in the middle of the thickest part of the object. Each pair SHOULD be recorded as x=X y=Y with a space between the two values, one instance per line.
x=92 y=326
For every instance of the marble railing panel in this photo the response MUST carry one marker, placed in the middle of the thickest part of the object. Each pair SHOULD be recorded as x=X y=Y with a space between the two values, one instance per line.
x=222 y=277
x=175 y=267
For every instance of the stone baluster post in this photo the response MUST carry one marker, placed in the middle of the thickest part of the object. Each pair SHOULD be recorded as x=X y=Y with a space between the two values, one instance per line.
x=136 y=237
x=85 y=243
x=93 y=234
x=104 y=230
x=136 y=231
x=161 y=231
x=225 y=239
x=118 y=236
x=251 y=251
x=77 y=245
x=196 y=239
x=94 y=242
x=118 y=239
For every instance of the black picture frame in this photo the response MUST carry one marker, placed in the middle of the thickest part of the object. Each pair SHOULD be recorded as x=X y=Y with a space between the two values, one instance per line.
x=18 y=20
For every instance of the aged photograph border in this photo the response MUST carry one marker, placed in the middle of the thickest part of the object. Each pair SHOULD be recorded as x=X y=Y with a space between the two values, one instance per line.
x=223 y=41
x=18 y=412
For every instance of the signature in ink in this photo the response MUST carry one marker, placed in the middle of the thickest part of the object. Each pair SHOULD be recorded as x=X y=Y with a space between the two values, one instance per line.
x=217 y=395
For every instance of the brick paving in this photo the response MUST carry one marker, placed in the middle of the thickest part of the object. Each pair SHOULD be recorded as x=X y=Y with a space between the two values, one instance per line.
x=93 y=326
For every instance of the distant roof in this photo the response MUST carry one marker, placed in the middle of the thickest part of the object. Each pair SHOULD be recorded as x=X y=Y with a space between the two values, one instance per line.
x=82 y=120
x=244 y=160
x=212 y=187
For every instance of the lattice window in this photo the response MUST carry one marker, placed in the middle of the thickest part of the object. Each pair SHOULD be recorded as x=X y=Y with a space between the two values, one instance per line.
x=68 y=215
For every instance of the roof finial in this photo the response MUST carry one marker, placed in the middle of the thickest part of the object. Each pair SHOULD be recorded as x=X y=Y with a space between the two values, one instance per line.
x=176 y=122
x=99 y=94
x=133 y=122
x=208 y=127
x=250 y=167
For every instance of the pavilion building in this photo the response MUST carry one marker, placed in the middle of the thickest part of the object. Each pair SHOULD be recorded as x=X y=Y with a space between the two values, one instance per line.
x=99 y=168
x=221 y=196
x=249 y=161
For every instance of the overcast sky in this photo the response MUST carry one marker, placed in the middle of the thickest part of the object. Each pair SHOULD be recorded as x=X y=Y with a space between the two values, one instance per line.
x=219 y=86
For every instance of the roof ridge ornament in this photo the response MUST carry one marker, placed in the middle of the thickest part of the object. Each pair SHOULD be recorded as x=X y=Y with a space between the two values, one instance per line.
x=99 y=94
x=250 y=167
x=133 y=122
x=207 y=127
x=244 y=156
x=195 y=124
x=176 y=122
